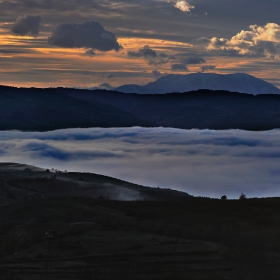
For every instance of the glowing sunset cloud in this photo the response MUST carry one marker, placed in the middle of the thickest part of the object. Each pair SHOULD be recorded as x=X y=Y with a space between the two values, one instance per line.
x=184 y=6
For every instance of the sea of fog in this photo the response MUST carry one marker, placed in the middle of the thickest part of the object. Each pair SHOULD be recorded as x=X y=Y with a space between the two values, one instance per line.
x=200 y=162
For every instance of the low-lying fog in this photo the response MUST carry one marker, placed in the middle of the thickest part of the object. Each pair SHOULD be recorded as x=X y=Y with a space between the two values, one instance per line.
x=200 y=162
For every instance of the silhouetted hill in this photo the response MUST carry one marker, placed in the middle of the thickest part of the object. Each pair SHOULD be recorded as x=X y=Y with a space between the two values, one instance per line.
x=132 y=88
x=25 y=180
x=49 y=109
x=238 y=82
x=203 y=109
x=60 y=225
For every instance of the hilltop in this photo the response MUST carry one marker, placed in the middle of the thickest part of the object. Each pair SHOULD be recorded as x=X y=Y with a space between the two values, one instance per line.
x=21 y=181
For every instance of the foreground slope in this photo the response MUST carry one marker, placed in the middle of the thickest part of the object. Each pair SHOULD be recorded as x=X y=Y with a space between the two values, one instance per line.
x=96 y=238
x=23 y=182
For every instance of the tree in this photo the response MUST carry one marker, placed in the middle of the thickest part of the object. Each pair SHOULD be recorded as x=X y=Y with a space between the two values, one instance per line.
x=242 y=196
x=224 y=197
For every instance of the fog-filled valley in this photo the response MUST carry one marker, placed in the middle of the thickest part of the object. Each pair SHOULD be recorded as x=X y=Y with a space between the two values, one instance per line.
x=199 y=162
x=110 y=185
x=139 y=140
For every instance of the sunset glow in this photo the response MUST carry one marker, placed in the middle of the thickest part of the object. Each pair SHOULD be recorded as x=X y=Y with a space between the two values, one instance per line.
x=174 y=31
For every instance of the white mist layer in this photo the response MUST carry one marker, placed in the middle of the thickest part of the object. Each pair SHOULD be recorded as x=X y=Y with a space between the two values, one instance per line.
x=200 y=162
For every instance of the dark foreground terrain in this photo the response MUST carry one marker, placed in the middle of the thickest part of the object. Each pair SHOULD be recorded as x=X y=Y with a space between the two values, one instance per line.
x=59 y=225
x=35 y=109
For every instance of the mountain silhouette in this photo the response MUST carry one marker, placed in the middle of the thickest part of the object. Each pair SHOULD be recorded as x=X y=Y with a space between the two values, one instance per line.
x=238 y=82
x=57 y=108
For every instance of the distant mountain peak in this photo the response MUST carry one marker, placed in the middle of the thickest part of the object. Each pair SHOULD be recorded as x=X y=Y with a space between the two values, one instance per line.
x=238 y=82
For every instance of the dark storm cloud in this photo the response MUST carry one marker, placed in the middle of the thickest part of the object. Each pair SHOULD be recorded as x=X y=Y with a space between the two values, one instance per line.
x=110 y=76
x=145 y=52
x=192 y=60
x=16 y=51
x=155 y=58
x=179 y=67
x=125 y=17
x=207 y=67
x=28 y=25
x=90 y=34
x=90 y=53
x=183 y=63
x=150 y=55
x=265 y=48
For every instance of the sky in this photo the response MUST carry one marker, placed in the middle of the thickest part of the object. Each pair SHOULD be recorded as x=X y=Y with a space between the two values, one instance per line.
x=89 y=43
x=199 y=162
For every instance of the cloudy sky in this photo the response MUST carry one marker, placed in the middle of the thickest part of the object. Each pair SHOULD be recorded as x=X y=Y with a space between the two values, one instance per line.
x=199 y=162
x=85 y=43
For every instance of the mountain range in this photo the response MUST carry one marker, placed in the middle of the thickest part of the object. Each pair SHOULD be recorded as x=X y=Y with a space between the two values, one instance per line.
x=238 y=82
x=202 y=109
x=35 y=109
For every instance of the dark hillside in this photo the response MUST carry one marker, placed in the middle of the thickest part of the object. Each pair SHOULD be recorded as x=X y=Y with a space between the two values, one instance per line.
x=46 y=109
x=162 y=234
x=198 y=109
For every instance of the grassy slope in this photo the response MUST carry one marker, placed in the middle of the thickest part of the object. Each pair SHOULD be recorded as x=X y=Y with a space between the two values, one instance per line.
x=186 y=238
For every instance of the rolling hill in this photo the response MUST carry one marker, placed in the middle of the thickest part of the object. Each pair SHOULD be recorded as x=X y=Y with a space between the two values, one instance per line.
x=68 y=225
x=203 y=109
x=57 y=108
x=47 y=109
